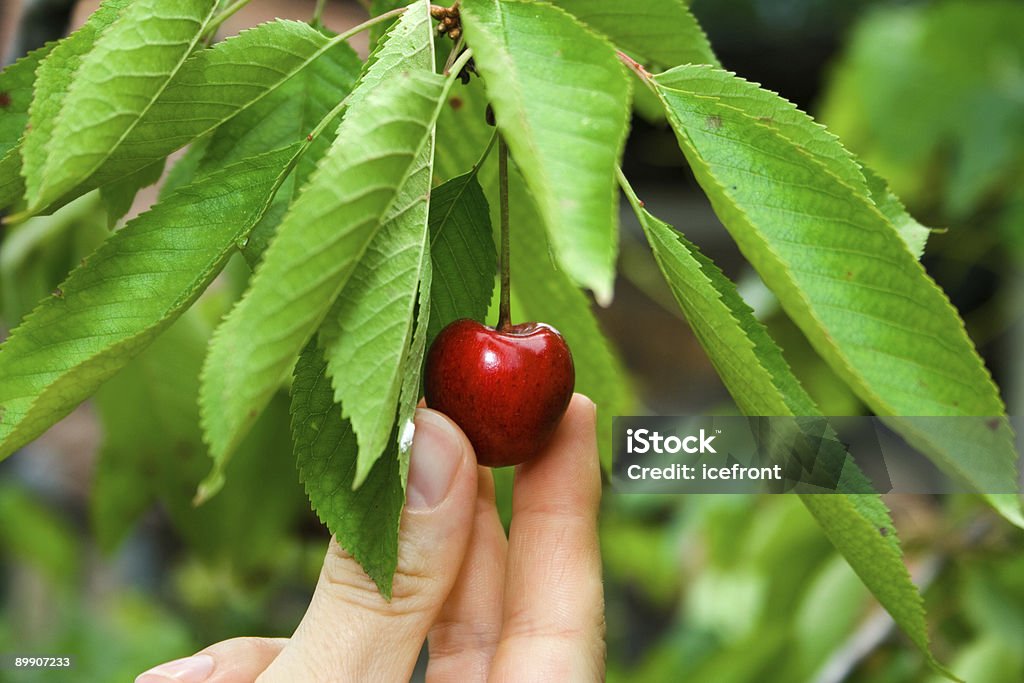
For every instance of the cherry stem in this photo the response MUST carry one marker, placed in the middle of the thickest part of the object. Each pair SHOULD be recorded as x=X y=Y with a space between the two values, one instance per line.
x=211 y=29
x=318 y=13
x=504 y=306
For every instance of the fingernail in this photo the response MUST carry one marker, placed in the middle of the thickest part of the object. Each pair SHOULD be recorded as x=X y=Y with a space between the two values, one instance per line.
x=436 y=454
x=194 y=669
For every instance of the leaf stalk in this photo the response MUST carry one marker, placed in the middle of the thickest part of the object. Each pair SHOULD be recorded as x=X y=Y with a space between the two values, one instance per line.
x=318 y=13
x=229 y=11
x=636 y=67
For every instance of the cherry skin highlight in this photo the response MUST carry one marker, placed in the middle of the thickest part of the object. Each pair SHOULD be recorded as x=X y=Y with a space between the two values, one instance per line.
x=506 y=388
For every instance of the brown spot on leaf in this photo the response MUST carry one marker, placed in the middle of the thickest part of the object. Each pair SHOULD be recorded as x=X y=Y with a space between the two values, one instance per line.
x=883 y=530
x=714 y=122
x=5 y=99
x=455 y=103
x=993 y=424
x=59 y=293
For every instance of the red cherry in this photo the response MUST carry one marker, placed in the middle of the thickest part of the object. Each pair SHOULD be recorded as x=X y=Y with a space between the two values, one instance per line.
x=507 y=389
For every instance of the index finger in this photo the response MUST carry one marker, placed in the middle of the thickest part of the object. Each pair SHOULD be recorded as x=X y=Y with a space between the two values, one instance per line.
x=553 y=625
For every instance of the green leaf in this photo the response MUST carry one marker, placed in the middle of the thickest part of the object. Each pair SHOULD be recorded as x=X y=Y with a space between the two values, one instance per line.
x=288 y=112
x=412 y=389
x=53 y=76
x=364 y=520
x=228 y=80
x=839 y=267
x=311 y=73
x=12 y=185
x=371 y=324
x=561 y=99
x=125 y=294
x=115 y=85
x=771 y=111
x=663 y=32
x=802 y=131
x=855 y=526
x=753 y=369
x=463 y=253
x=317 y=247
x=16 y=84
x=746 y=358
x=409 y=43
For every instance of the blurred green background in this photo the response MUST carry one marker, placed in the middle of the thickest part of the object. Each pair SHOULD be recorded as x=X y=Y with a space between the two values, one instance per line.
x=103 y=557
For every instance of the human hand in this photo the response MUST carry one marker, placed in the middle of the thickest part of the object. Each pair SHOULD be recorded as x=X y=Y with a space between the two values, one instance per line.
x=526 y=608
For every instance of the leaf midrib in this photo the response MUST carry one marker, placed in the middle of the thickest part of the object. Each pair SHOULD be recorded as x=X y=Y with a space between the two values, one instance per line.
x=754 y=234
x=59 y=123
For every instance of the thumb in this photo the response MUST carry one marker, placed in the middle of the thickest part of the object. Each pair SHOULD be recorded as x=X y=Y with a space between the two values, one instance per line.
x=350 y=632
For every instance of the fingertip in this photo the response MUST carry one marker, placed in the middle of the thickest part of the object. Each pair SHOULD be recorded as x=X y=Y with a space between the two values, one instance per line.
x=581 y=409
x=566 y=477
x=574 y=443
x=583 y=402
x=237 y=659
x=434 y=419
x=440 y=452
